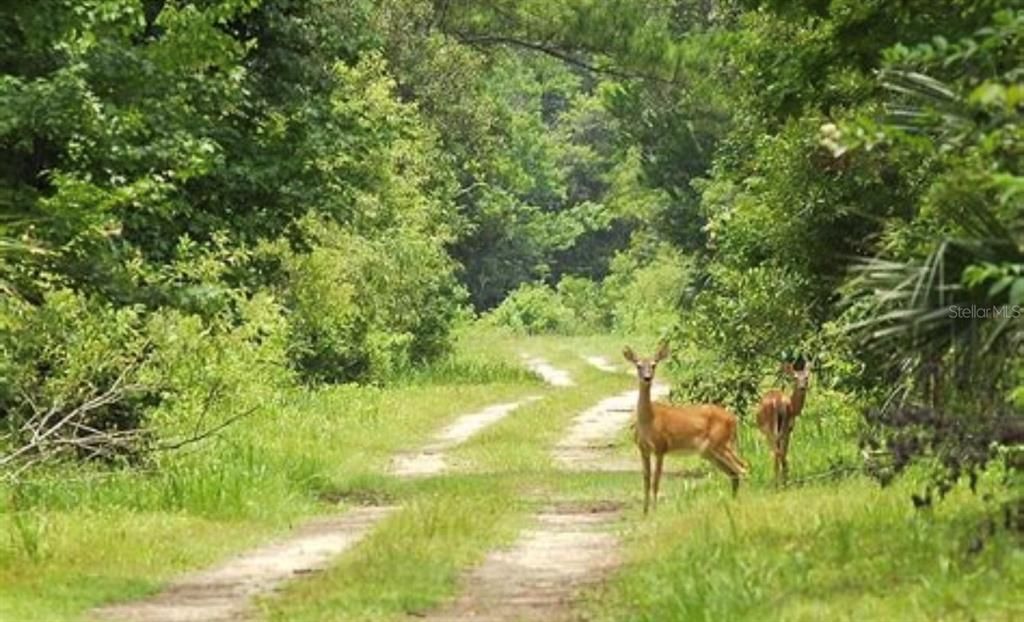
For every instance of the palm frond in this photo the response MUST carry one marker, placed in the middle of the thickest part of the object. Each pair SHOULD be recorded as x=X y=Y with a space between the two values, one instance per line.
x=925 y=103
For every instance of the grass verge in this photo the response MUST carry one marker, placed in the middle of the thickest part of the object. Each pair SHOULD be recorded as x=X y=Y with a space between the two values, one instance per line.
x=844 y=551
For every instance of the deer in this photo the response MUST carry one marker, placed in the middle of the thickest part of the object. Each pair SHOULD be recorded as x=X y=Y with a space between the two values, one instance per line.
x=777 y=413
x=706 y=429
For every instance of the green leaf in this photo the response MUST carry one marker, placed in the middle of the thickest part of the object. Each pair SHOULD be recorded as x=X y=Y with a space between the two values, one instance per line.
x=1000 y=286
x=1017 y=292
x=988 y=94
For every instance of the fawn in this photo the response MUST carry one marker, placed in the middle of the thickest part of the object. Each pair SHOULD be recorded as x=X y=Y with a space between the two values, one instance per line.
x=777 y=414
x=707 y=429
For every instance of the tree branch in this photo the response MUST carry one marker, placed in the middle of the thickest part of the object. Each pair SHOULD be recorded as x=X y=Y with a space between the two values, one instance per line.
x=195 y=438
x=562 y=55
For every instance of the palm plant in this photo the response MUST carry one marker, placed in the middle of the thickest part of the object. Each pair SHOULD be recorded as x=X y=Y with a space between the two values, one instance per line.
x=946 y=322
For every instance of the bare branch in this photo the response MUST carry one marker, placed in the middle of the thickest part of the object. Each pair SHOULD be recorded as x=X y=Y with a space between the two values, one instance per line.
x=195 y=438
x=73 y=431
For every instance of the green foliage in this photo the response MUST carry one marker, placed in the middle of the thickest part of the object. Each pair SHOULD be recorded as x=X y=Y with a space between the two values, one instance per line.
x=58 y=354
x=742 y=323
x=166 y=373
x=215 y=369
x=940 y=310
x=638 y=297
x=368 y=308
x=643 y=293
x=534 y=308
x=160 y=164
x=587 y=300
x=538 y=206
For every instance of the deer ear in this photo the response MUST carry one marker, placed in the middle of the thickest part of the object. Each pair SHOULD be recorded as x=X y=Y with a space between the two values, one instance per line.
x=629 y=354
x=663 y=351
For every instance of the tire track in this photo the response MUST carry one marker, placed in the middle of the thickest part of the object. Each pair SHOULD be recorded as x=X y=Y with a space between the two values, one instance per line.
x=224 y=592
x=430 y=459
x=549 y=373
x=603 y=364
x=588 y=444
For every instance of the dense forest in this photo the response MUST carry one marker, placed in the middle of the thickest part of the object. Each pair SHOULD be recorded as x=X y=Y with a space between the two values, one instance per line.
x=206 y=205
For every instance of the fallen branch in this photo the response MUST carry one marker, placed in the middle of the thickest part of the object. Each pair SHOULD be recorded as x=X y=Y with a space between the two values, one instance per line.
x=195 y=438
x=50 y=432
x=55 y=433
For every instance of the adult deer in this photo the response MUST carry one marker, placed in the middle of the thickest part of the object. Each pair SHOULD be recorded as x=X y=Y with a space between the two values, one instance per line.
x=706 y=429
x=777 y=414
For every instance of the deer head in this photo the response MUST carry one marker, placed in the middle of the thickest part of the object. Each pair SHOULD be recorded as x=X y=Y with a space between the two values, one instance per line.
x=801 y=373
x=645 y=367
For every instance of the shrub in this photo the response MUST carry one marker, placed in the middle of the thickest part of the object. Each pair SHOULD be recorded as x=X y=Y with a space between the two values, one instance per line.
x=363 y=308
x=214 y=370
x=587 y=301
x=638 y=297
x=83 y=379
x=742 y=323
x=643 y=293
x=533 y=308
x=57 y=357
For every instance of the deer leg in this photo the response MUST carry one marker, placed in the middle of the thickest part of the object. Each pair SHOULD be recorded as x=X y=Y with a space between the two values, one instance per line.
x=659 y=459
x=735 y=462
x=645 y=459
x=780 y=446
x=734 y=450
x=777 y=457
x=737 y=469
x=726 y=467
x=784 y=458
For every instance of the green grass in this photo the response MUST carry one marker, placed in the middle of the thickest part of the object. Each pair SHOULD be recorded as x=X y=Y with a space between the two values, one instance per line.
x=839 y=549
x=846 y=551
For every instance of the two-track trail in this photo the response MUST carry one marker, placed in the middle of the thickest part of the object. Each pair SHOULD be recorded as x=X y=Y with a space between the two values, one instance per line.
x=566 y=547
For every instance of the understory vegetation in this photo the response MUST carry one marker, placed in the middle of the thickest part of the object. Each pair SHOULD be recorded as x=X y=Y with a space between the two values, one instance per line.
x=250 y=248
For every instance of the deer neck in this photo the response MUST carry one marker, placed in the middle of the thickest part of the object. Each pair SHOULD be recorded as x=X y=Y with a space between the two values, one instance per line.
x=644 y=406
x=796 y=400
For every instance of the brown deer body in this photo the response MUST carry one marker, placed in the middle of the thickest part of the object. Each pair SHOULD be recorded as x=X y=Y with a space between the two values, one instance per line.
x=776 y=416
x=706 y=429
